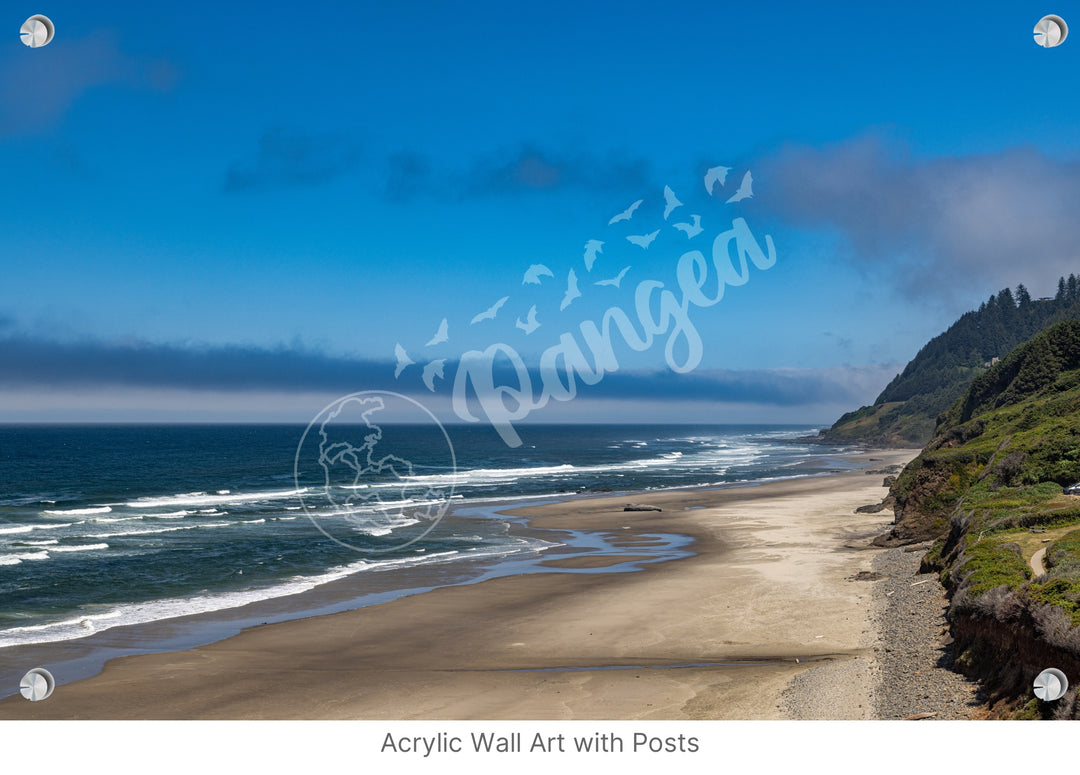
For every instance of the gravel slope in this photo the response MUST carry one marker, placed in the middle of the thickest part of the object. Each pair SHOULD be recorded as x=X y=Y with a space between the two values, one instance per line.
x=913 y=654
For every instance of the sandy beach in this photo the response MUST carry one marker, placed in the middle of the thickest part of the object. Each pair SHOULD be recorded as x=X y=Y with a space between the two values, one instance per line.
x=770 y=594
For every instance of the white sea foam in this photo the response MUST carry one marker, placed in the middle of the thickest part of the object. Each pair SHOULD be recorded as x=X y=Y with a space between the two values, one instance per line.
x=85 y=624
x=15 y=559
x=382 y=529
x=374 y=531
x=27 y=528
x=713 y=459
x=127 y=533
x=203 y=499
x=155 y=610
x=80 y=512
x=83 y=548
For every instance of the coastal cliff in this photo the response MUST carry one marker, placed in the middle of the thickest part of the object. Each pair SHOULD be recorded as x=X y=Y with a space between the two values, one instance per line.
x=989 y=488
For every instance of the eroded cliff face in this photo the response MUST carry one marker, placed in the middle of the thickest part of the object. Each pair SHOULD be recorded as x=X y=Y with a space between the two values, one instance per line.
x=1005 y=655
x=921 y=503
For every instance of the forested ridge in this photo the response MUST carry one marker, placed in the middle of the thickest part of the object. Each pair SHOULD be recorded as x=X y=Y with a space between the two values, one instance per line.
x=907 y=410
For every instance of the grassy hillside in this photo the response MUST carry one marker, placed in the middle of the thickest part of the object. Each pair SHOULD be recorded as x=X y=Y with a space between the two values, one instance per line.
x=907 y=411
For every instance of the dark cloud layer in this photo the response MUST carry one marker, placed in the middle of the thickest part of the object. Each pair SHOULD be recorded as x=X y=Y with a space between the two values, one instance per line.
x=996 y=218
x=289 y=157
x=28 y=362
x=533 y=168
x=527 y=168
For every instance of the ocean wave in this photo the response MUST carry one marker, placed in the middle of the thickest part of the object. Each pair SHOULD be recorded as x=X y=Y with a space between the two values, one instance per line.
x=83 y=548
x=742 y=454
x=169 y=608
x=79 y=512
x=84 y=623
x=203 y=499
x=15 y=559
x=381 y=530
x=128 y=533
x=27 y=528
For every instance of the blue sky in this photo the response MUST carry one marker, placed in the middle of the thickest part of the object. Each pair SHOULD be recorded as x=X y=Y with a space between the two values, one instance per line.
x=235 y=212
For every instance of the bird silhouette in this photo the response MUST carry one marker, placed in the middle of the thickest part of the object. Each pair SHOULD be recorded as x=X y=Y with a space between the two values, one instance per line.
x=614 y=281
x=403 y=360
x=714 y=175
x=593 y=248
x=534 y=273
x=744 y=191
x=626 y=214
x=572 y=291
x=670 y=201
x=692 y=230
x=530 y=324
x=490 y=312
x=431 y=371
x=643 y=240
x=440 y=335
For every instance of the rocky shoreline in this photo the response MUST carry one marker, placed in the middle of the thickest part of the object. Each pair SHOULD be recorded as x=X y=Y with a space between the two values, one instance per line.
x=914 y=654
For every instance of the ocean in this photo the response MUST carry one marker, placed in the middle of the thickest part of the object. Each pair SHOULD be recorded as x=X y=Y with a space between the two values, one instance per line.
x=127 y=539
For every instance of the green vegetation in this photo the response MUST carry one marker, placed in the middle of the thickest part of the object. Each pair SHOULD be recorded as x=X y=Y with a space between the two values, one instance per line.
x=907 y=411
x=988 y=564
x=1061 y=586
x=989 y=486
